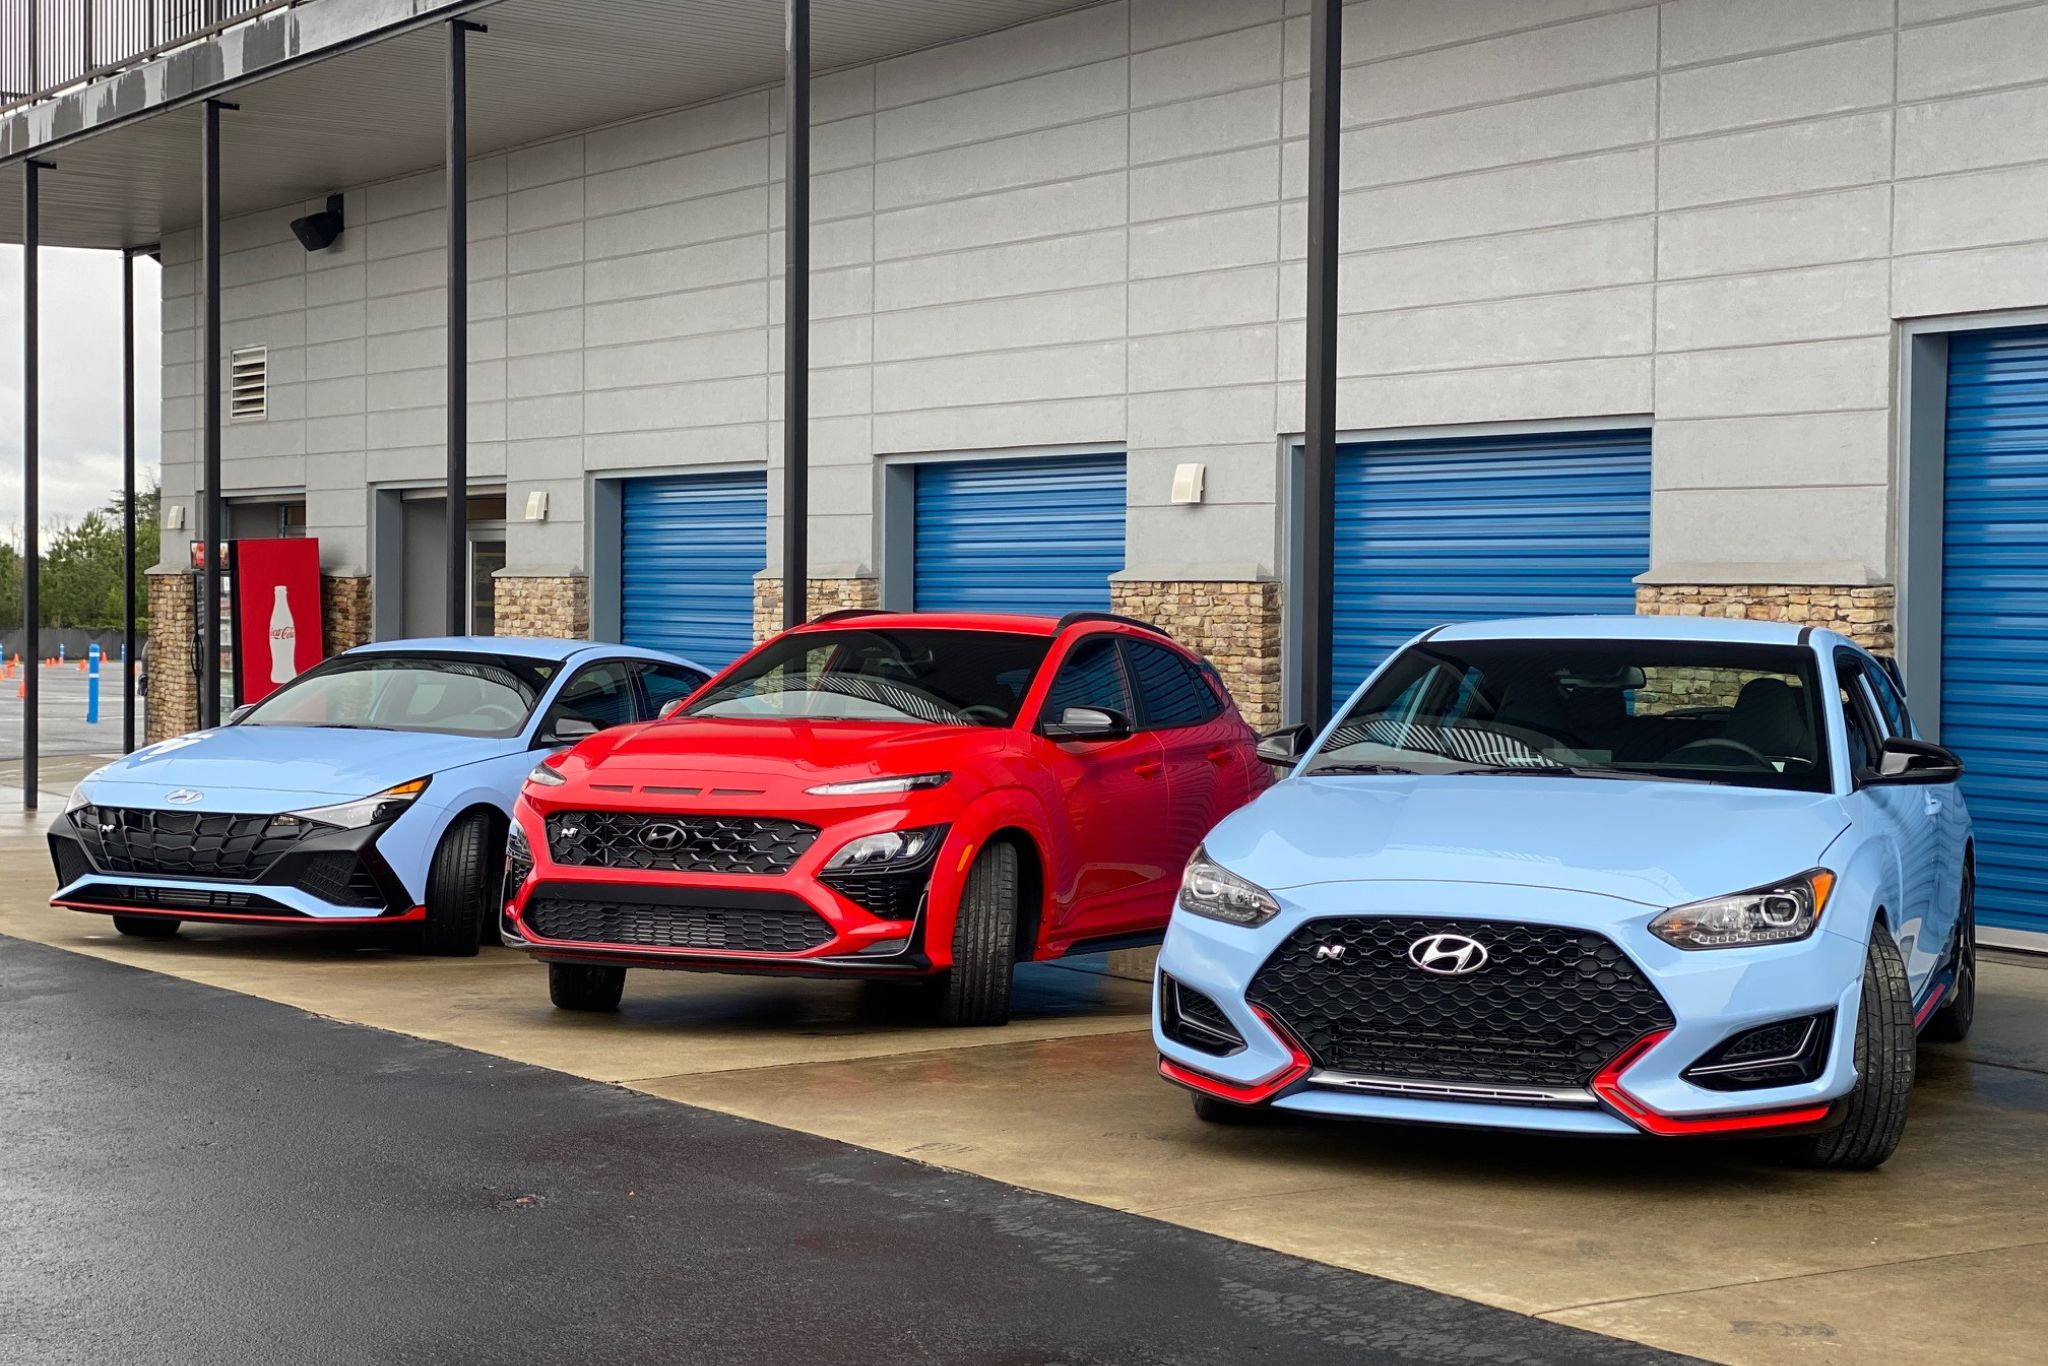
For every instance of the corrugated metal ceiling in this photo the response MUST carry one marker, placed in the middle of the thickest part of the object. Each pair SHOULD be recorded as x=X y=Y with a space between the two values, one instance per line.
x=547 y=67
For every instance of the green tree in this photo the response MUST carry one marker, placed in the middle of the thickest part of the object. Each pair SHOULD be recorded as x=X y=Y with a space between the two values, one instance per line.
x=82 y=574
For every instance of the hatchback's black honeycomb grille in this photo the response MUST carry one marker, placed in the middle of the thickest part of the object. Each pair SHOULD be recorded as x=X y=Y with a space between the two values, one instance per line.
x=751 y=930
x=188 y=844
x=71 y=861
x=677 y=844
x=1549 y=1008
x=340 y=878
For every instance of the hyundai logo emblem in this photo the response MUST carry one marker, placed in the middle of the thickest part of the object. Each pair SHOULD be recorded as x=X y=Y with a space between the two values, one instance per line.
x=1447 y=955
x=661 y=838
x=184 y=796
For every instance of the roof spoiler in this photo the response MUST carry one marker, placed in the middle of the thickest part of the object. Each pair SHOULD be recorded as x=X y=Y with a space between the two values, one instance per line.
x=1076 y=618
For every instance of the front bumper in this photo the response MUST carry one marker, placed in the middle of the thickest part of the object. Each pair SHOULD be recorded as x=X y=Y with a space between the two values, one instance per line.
x=793 y=922
x=1712 y=995
x=328 y=877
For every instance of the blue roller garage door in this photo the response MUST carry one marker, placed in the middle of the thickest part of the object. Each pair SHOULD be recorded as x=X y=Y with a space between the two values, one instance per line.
x=1429 y=532
x=1994 y=672
x=689 y=550
x=1019 y=535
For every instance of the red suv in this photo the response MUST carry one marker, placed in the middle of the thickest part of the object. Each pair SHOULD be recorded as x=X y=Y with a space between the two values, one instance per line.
x=877 y=795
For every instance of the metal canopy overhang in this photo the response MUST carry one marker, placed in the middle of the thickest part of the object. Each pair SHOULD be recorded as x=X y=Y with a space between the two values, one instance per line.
x=358 y=95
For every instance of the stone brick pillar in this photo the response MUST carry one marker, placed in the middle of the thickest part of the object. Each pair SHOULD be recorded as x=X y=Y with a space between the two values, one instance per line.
x=826 y=595
x=171 y=703
x=1866 y=613
x=556 y=605
x=1234 y=624
x=345 y=620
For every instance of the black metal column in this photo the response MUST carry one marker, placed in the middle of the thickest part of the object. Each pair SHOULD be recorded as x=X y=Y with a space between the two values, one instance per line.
x=212 y=508
x=31 y=471
x=128 y=650
x=458 y=324
x=796 y=314
x=1319 y=426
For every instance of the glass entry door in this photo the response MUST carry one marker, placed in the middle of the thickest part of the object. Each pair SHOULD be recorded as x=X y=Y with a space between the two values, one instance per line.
x=486 y=558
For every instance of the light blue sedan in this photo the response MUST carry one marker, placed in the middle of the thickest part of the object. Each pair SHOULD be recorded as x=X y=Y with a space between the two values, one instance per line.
x=373 y=789
x=1588 y=876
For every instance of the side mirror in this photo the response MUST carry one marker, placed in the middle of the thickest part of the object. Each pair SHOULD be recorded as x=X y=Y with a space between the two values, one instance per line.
x=567 y=730
x=235 y=716
x=1284 y=748
x=1905 y=761
x=1088 y=723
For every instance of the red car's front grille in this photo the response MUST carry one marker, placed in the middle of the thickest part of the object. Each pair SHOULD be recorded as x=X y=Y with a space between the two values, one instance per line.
x=649 y=841
x=770 y=924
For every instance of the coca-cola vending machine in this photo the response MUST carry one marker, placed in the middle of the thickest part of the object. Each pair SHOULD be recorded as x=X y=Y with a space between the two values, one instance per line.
x=275 y=594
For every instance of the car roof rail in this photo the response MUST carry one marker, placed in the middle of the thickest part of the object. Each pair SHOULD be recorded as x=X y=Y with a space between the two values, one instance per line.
x=1076 y=618
x=848 y=613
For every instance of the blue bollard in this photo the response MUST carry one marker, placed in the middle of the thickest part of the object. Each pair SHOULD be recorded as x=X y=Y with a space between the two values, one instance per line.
x=92 y=685
x=60 y=652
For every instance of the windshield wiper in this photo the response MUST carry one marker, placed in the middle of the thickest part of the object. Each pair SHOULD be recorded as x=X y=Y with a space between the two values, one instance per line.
x=1324 y=770
x=1542 y=770
x=348 y=725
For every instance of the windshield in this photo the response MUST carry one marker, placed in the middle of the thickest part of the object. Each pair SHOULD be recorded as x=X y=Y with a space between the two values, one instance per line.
x=489 y=696
x=918 y=676
x=1744 y=715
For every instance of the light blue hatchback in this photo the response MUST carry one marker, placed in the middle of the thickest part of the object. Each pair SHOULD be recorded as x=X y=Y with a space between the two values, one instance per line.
x=373 y=789
x=1592 y=876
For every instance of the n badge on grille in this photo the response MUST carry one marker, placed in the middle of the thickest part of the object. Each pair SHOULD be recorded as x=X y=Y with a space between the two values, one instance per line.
x=1329 y=953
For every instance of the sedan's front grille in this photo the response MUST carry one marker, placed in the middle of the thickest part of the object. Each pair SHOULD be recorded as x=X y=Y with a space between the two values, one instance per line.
x=774 y=925
x=677 y=844
x=185 y=844
x=1548 y=1006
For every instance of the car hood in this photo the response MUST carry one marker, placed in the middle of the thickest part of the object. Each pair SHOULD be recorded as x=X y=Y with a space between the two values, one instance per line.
x=1658 y=843
x=774 y=758
x=275 y=767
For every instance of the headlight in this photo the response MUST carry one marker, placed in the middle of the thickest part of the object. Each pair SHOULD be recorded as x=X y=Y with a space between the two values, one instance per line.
x=76 y=799
x=387 y=805
x=1767 y=915
x=1207 y=888
x=545 y=776
x=891 y=848
x=870 y=787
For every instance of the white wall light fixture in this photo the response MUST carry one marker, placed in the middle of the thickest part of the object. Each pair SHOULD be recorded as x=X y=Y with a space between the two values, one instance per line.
x=1187 y=483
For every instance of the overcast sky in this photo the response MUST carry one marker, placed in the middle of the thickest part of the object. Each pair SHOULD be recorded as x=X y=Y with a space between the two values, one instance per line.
x=81 y=353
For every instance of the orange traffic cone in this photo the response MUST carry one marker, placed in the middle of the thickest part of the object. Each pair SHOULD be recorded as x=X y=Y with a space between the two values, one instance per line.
x=81 y=666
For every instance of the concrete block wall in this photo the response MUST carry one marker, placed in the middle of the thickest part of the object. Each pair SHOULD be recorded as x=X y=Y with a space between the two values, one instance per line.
x=1090 y=229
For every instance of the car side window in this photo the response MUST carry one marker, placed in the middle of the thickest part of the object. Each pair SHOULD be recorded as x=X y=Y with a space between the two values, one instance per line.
x=668 y=683
x=1891 y=703
x=601 y=694
x=1172 y=693
x=1859 y=725
x=1090 y=676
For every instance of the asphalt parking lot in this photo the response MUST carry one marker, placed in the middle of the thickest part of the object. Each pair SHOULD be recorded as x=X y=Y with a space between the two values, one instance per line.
x=62 y=706
x=1707 y=1250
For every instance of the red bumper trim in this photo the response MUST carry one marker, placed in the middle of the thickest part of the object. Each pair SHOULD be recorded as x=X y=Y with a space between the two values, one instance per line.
x=1607 y=1085
x=1247 y=1093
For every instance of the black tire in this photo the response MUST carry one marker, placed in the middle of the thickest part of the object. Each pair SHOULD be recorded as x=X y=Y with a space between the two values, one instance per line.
x=1216 y=1110
x=1876 y=1117
x=977 y=989
x=145 y=926
x=585 y=986
x=1951 y=1023
x=461 y=884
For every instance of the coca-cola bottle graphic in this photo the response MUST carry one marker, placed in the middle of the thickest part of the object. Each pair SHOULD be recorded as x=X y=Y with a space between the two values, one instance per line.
x=284 y=640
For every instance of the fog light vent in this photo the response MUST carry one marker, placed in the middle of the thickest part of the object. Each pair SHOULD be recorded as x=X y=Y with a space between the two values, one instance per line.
x=1782 y=1053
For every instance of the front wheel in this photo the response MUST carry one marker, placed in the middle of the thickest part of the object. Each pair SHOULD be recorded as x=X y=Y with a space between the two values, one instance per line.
x=145 y=926
x=977 y=989
x=460 y=884
x=1951 y=1023
x=1876 y=1118
x=585 y=986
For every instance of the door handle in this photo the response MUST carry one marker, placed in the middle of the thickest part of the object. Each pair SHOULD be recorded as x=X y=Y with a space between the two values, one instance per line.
x=1933 y=806
x=1149 y=768
x=1219 y=756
